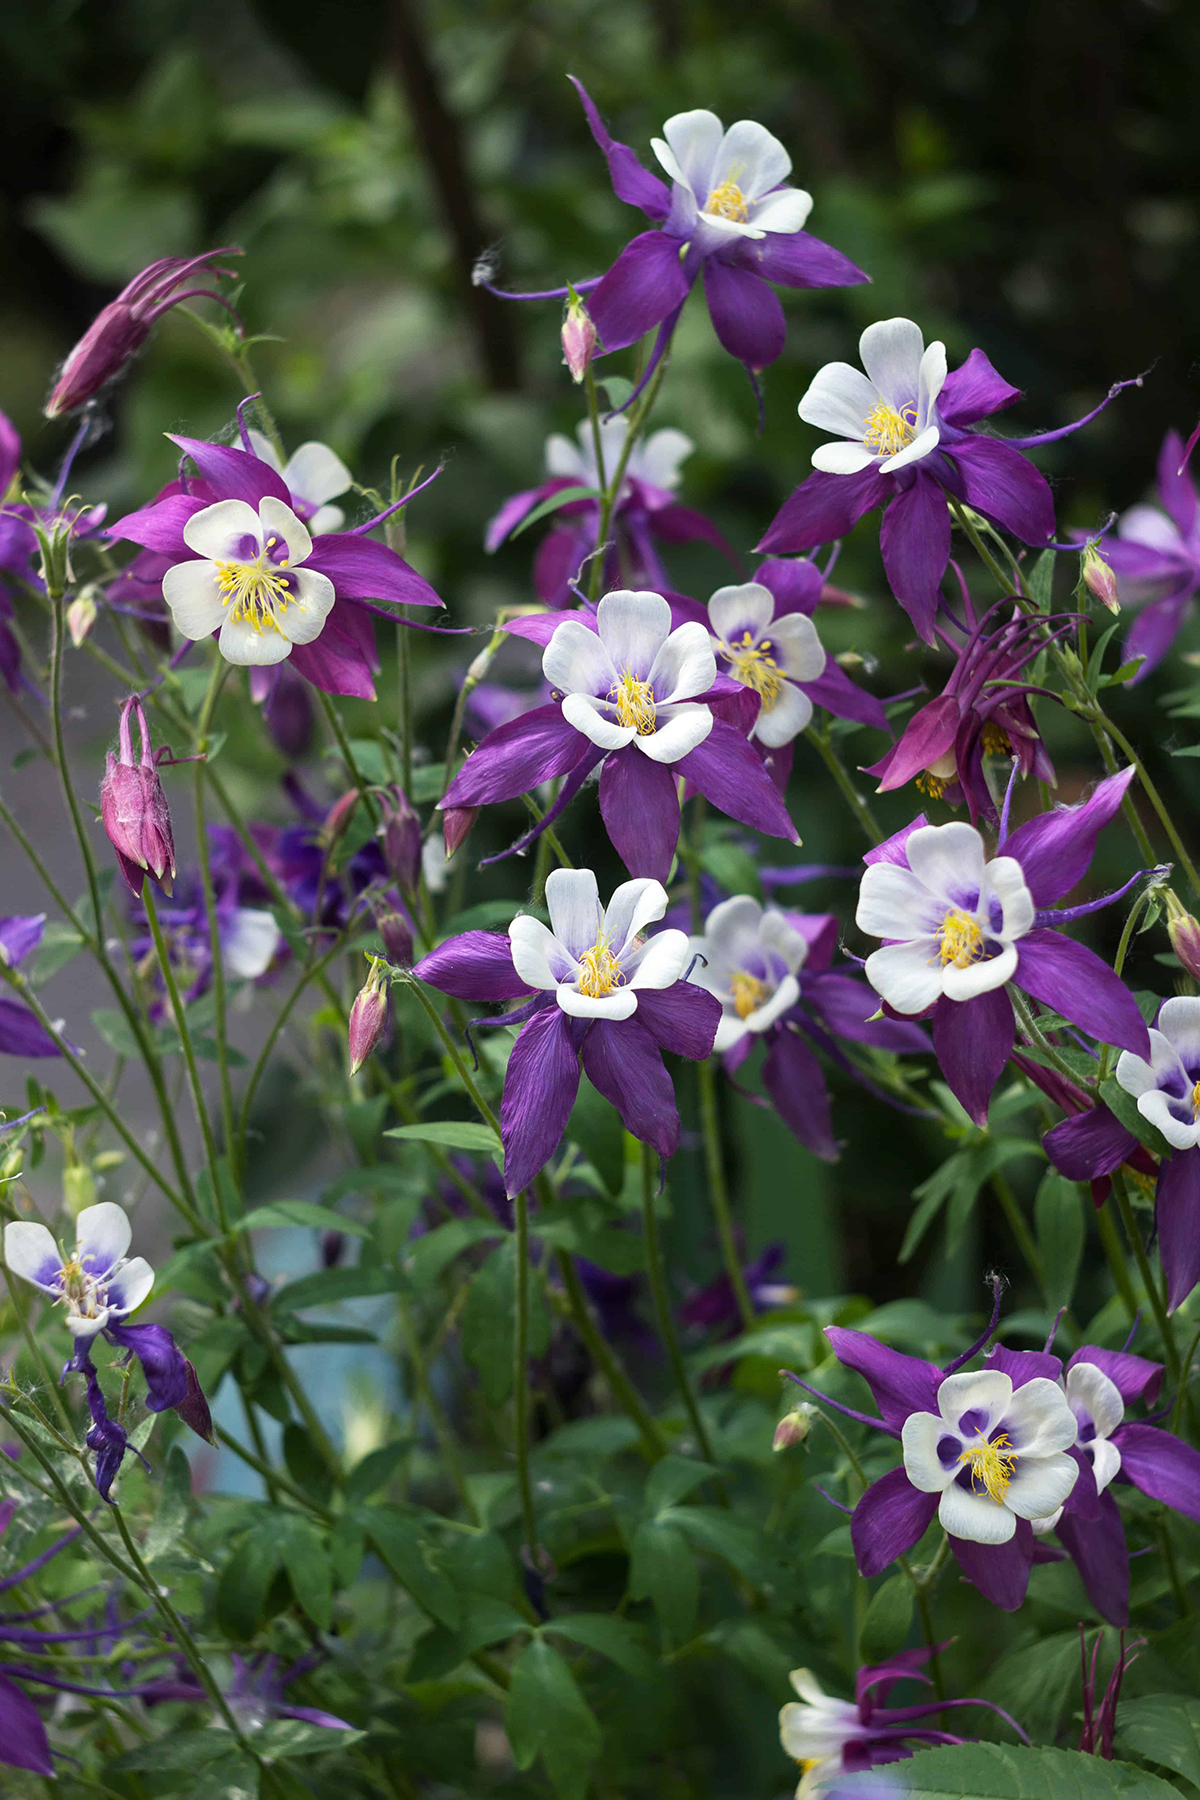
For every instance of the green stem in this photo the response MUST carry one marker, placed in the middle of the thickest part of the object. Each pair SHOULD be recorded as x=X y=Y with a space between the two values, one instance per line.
x=232 y=1143
x=1037 y=1037
x=343 y=743
x=605 y=1359
x=854 y=800
x=662 y=1303
x=1178 y=1591
x=981 y=550
x=179 y=1015
x=1020 y=1230
x=719 y=1192
x=404 y=691
x=1153 y=796
x=281 y=1019
x=1170 y=1347
x=38 y=1355
x=452 y=1051
x=613 y=487
x=1119 y=964
x=1184 y=1375
x=1118 y=1267
x=261 y=1461
x=521 y=1374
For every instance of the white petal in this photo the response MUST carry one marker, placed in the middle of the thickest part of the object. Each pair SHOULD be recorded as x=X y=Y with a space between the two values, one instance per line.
x=1137 y=1076
x=920 y=1436
x=251 y=646
x=685 y=665
x=730 y=1031
x=921 y=445
x=592 y=718
x=975 y=1517
x=987 y=1392
x=563 y=460
x=80 y=1327
x=326 y=518
x=1039 y=1484
x=633 y=625
x=1106 y=1462
x=130 y=1286
x=948 y=859
x=931 y=378
x=1038 y=1420
x=781 y=1001
x=745 y=606
x=225 y=532
x=190 y=590
x=1156 y=1107
x=249 y=942
x=750 y=155
x=843 y=458
x=316 y=473
x=620 y=1004
x=803 y=656
x=1179 y=1022
x=1090 y=1391
x=895 y=903
x=782 y=940
x=1004 y=878
x=576 y=662
x=1147 y=525
x=779 y=724
x=634 y=905
x=692 y=142
x=891 y=353
x=680 y=729
x=576 y=916
x=840 y=399
x=907 y=976
x=785 y=211
x=659 y=459
x=264 y=449
x=304 y=616
x=731 y=923
x=279 y=521
x=662 y=962
x=979 y=977
x=32 y=1253
x=538 y=957
x=102 y=1236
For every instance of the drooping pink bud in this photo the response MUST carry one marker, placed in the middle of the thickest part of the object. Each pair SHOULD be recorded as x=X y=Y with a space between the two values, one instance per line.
x=397 y=936
x=579 y=338
x=133 y=808
x=118 y=332
x=456 y=823
x=1099 y=579
x=793 y=1428
x=1184 y=932
x=368 y=1015
x=81 y=616
x=338 y=816
x=193 y=1408
x=401 y=840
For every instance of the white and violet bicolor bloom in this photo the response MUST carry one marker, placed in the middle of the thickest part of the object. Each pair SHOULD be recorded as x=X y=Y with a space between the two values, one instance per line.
x=727 y=185
x=656 y=461
x=98 y=1284
x=993 y=1453
x=749 y=958
x=249 y=582
x=595 y=959
x=768 y=654
x=1167 y=1087
x=314 y=475
x=888 y=417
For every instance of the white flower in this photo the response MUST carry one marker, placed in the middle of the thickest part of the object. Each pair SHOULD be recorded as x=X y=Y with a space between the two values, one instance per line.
x=1098 y=1407
x=1167 y=1088
x=955 y=919
x=995 y=1454
x=750 y=963
x=630 y=680
x=769 y=655
x=249 y=584
x=595 y=958
x=727 y=184
x=249 y=941
x=888 y=416
x=313 y=475
x=97 y=1282
x=433 y=862
x=657 y=460
x=815 y=1730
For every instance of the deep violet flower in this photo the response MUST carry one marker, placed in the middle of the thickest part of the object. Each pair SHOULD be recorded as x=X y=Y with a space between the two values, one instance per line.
x=907 y=441
x=1155 y=556
x=642 y=700
x=646 y=513
x=726 y=213
x=257 y=1693
x=830 y=1737
x=21 y=1034
x=714 y=1308
x=239 y=562
x=593 y=986
x=957 y=928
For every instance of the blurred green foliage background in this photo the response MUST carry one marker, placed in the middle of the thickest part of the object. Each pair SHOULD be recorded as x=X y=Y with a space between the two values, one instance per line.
x=1022 y=176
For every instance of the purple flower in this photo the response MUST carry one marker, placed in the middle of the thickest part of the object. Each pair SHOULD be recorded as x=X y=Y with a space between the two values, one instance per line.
x=241 y=563
x=641 y=699
x=21 y=1034
x=595 y=987
x=133 y=808
x=957 y=928
x=98 y=1283
x=249 y=937
x=257 y=1693
x=713 y=1307
x=1155 y=557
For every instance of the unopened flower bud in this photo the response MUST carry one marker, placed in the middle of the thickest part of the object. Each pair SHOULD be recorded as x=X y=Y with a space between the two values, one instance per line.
x=401 y=840
x=193 y=1408
x=133 y=809
x=1184 y=932
x=368 y=1016
x=1099 y=579
x=79 y=1185
x=794 y=1427
x=81 y=616
x=397 y=936
x=456 y=823
x=338 y=817
x=579 y=338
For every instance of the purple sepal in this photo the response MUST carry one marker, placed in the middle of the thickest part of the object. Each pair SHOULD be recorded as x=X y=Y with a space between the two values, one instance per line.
x=644 y=285
x=822 y=508
x=193 y=1408
x=928 y=736
x=999 y=1571
x=476 y=965
x=682 y=1018
x=159 y=526
x=361 y=568
x=890 y=1518
x=914 y=541
x=797 y=259
x=892 y=849
x=622 y=1061
x=163 y=1362
x=1161 y=1465
x=21 y=932
x=727 y=771
x=795 y=584
x=793 y=1078
x=109 y=1440
x=1177 y=1211
x=23 y=1035
x=1134 y=1377
x=23 y=1740
x=639 y=804
x=899 y=1384
x=1097 y=1548
x=974 y=391
x=631 y=182
x=538 y=746
x=234 y=474
x=1004 y=485
x=540 y=1085
x=1156 y=626
x=1055 y=849
x=834 y=690
x=341 y=660
x=972 y=1040
x=1093 y=1143
x=746 y=314
x=1076 y=983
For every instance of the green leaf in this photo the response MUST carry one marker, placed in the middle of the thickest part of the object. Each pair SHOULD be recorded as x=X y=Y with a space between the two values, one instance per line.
x=246 y=1580
x=430 y=1254
x=546 y=1715
x=888 y=1619
x=616 y=1249
x=1188 y=750
x=615 y=1638
x=663 y=1569
x=671 y=1479
x=305 y=1464
x=308 y=1569
x=60 y=942
x=173 y=1506
x=300 y=1737
x=1124 y=1107
x=618 y=388
x=596 y=1127
x=563 y=498
x=215 y=1348
x=326 y=1286
x=1011 y=1772
x=488 y=1331
x=412 y=1557
x=732 y=869
x=714 y=1531
x=1058 y=1216
x=300 y=1212
x=1041 y=581
x=175 y=1752
x=369 y=1475
x=451 y=1134
x=1164 y=1729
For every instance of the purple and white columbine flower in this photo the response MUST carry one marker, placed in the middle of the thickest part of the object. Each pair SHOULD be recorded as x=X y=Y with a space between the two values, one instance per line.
x=727 y=213
x=748 y=958
x=772 y=656
x=98 y=1284
x=641 y=699
x=314 y=475
x=1155 y=557
x=596 y=987
x=958 y=927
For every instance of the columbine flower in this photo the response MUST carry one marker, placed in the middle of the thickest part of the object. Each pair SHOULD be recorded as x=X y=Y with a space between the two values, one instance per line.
x=773 y=656
x=133 y=808
x=640 y=699
x=958 y=927
x=98 y=1284
x=257 y=1693
x=594 y=986
x=905 y=440
x=21 y=1034
x=645 y=510
x=830 y=1737
x=313 y=475
x=240 y=562
x=727 y=213
x=1155 y=557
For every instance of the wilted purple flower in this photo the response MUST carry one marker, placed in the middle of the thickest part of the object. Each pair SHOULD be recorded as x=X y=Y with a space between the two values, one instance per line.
x=118 y=332
x=1155 y=557
x=368 y=1016
x=21 y=1034
x=133 y=808
x=957 y=928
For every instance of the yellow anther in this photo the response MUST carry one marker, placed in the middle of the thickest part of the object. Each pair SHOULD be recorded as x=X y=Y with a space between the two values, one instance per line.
x=755 y=668
x=1196 y=1100
x=927 y=783
x=961 y=940
x=748 y=993
x=634 y=701
x=994 y=740
x=599 y=970
x=728 y=202
x=255 y=591
x=886 y=432
x=991 y=1464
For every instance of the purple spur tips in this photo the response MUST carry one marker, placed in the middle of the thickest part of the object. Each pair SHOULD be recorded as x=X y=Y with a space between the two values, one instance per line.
x=133 y=808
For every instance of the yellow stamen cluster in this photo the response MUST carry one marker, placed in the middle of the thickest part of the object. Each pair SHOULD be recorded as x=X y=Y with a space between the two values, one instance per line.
x=1196 y=1100
x=991 y=1465
x=961 y=940
x=728 y=202
x=748 y=992
x=634 y=701
x=599 y=970
x=928 y=783
x=755 y=668
x=995 y=740
x=886 y=432
x=254 y=591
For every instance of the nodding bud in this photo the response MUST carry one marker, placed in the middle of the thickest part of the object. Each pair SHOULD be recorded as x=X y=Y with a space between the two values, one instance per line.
x=401 y=834
x=1184 y=932
x=193 y=1408
x=133 y=808
x=1099 y=579
x=794 y=1427
x=579 y=338
x=81 y=616
x=332 y=1245
x=397 y=936
x=456 y=823
x=338 y=817
x=118 y=333
x=368 y=1015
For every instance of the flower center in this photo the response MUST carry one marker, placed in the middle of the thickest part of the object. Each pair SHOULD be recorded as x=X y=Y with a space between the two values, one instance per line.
x=82 y=1292
x=995 y=740
x=929 y=783
x=634 y=701
x=755 y=668
x=728 y=202
x=748 y=992
x=1196 y=1101
x=599 y=970
x=253 y=590
x=961 y=941
x=991 y=1464
x=886 y=431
